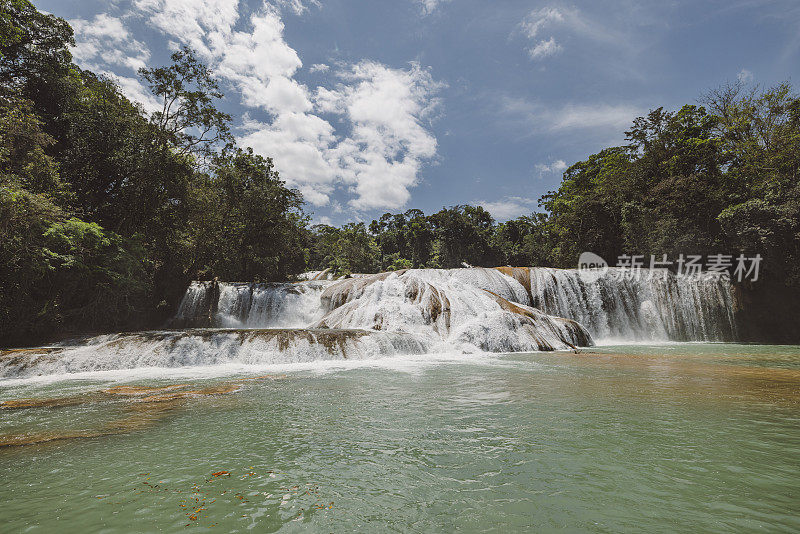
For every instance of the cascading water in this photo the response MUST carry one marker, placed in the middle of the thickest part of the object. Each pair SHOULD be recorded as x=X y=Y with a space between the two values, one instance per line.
x=638 y=304
x=405 y=312
x=250 y=305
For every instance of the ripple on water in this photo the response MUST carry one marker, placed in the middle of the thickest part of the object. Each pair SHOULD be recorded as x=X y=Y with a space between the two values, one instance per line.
x=619 y=440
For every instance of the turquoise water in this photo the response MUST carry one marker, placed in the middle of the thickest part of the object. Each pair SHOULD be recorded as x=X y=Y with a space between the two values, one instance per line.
x=686 y=437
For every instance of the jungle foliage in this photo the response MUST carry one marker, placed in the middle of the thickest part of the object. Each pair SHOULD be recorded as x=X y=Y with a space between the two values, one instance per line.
x=106 y=211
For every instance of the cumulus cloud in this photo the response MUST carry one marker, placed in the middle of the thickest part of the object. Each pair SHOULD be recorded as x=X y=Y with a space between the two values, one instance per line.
x=300 y=144
x=388 y=142
x=262 y=65
x=509 y=207
x=380 y=157
x=544 y=49
x=379 y=161
x=201 y=25
x=429 y=6
x=105 y=41
x=381 y=139
x=135 y=91
x=556 y=167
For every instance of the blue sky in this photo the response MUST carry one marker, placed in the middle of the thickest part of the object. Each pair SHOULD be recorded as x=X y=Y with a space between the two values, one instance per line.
x=370 y=106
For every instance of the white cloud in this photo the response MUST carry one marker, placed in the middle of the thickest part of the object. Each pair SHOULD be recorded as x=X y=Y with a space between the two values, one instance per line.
x=599 y=116
x=199 y=24
x=300 y=145
x=509 y=207
x=378 y=161
x=319 y=67
x=102 y=26
x=262 y=64
x=135 y=91
x=388 y=143
x=537 y=19
x=544 y=49
x=298 y=7
x=105 y=41
x=556 y=167
x=745 y=76
x=569 y=21
x=533 y=24
x=429 y=6
x=580 y=116
x=381 y=140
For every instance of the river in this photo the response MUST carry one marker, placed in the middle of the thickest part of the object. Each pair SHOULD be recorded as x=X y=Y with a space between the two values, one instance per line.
x=669 y=436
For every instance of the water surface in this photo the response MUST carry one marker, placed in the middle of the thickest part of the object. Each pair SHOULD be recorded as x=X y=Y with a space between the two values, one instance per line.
x=677 y=437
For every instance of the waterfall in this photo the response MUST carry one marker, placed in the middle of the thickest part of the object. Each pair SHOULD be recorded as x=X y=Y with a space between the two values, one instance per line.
x=205 y=347
x=613 y=304
x=414 y=311
x=638 y=305
x=250 y=305
x=462 y=310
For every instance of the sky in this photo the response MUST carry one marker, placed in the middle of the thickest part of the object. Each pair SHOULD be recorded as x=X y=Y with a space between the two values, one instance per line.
x=369 y=106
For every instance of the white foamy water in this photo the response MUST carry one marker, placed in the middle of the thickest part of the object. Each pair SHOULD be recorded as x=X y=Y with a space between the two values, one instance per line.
x=251 y=305
x=462 y=309
x=405 y=363
x=638 y=305
x=398 y=315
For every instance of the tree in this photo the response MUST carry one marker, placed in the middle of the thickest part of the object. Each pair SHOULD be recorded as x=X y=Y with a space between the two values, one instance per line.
x=463 y=234
x=249 y=224
x=346 y=250
x=585 y=211
x=188 y=120
x=23 y=156
x=33 y=46
x=524 y=241
x=407 y=236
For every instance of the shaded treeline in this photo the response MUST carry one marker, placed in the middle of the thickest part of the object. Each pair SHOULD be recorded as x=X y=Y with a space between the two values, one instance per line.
x=107 y=212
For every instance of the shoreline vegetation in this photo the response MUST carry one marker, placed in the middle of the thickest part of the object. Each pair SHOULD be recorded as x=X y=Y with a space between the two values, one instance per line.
x=107 y=212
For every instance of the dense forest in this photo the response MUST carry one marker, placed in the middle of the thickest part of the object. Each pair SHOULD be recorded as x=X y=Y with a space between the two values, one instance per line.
x=107 y=212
